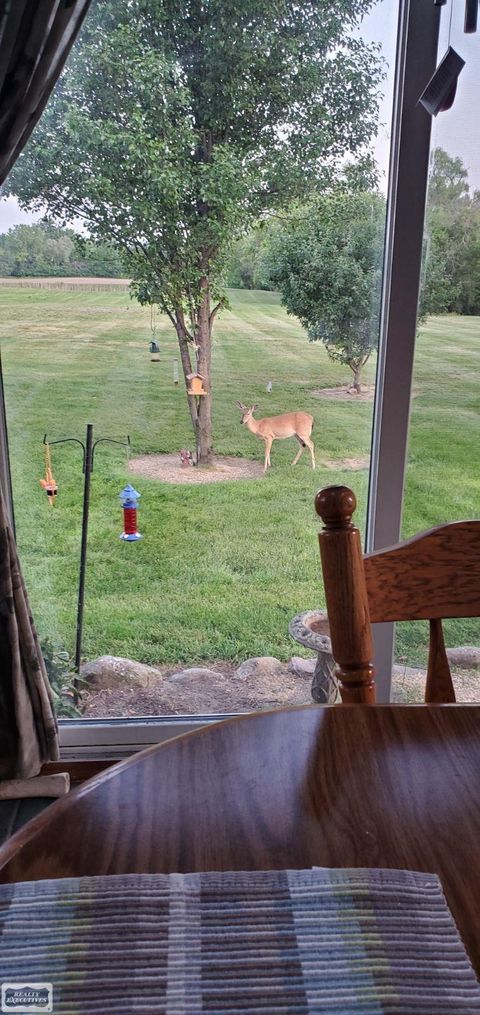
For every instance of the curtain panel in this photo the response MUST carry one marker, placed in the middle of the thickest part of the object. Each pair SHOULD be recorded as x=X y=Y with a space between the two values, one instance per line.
x=28 y=727
x=35 y=39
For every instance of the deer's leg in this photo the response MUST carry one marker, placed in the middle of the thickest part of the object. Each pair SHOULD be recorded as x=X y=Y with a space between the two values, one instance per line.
x=302 y=448
x=311 y=448
x=268 y=444
x=307 y=443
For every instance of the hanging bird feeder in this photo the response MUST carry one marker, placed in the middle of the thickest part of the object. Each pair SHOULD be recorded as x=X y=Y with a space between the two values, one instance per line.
x=154 y=347
x=154 y=352
x=49 y=484
x=129 y=498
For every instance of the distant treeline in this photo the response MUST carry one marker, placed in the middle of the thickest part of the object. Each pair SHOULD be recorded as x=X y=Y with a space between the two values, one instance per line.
x=451 y=264
x=44 y=250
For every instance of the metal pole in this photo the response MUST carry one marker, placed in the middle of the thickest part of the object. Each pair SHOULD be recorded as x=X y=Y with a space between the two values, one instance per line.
x=5 y=474
x=83 y=550
x=197 y=432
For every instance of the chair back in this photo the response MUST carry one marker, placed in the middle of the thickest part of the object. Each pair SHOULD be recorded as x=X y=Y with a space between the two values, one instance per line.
x=432 y=576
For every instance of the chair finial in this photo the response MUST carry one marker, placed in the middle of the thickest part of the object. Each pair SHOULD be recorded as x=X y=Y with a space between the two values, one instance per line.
x=335 y=506
x=346 y=594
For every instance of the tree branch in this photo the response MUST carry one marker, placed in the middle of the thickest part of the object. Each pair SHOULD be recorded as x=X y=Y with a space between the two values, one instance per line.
x=214 y=312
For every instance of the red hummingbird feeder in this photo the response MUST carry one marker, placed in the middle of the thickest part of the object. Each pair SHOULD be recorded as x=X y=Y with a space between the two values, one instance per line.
x=129 y=498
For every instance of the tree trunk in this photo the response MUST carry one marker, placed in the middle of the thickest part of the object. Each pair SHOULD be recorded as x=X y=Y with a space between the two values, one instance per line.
x=357 y=371
x=204 y=359
x=186 y=364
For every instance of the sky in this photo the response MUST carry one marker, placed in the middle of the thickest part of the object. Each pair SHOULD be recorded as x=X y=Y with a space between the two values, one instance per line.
x=457 y=130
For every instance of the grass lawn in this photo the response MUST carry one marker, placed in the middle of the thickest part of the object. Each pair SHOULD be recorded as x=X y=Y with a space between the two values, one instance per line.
x=222 y=567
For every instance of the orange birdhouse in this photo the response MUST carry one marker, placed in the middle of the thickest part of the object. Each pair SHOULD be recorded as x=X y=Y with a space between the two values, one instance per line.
x=195 y=384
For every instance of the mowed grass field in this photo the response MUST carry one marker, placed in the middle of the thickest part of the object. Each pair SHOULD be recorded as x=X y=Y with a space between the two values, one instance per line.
x=222 y=567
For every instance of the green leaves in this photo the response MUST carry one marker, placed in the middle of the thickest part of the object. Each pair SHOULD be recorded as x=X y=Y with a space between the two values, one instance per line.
x=175 y=126
x=326 y=261
x=451 y=281
x=44 y=249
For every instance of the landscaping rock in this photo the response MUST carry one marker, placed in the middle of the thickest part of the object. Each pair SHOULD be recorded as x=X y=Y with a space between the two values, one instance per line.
x=465 y=657
x=260 y=667
x=109 y=672
x=194 y=673
x=132 y=689
x=302 y=667
x=196 y=690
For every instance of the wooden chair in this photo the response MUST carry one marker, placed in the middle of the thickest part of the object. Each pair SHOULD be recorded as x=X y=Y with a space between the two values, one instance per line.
x=432 y=576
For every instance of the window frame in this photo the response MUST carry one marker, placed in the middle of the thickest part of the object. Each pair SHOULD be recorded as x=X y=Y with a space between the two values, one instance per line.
x=417 y=47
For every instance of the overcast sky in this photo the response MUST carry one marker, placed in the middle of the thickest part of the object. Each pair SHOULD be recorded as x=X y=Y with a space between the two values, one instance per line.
x=458 y=130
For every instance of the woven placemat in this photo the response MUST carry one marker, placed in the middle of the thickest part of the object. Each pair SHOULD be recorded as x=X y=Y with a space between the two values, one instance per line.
x=329 y=941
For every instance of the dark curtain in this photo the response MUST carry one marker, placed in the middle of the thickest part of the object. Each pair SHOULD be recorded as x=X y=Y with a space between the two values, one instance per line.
x=28 y=727
x=35 y=39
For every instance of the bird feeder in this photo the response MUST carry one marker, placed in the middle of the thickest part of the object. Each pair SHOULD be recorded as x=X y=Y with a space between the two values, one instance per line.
x=50 y=487
x=129 y=498
x=195 y=384
x=154 y=352
x=49 y=484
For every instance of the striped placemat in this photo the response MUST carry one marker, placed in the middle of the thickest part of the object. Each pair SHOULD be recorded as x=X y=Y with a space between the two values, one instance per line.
x=329 y=941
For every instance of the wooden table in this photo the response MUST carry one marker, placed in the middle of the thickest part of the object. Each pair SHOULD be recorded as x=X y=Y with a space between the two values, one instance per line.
x=341 y=786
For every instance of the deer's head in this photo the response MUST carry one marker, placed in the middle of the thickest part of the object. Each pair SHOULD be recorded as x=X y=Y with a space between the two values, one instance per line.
x=246 y=413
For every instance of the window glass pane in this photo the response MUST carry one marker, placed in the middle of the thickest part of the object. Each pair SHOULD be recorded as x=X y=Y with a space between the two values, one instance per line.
x=235 y=160
x=443 y=477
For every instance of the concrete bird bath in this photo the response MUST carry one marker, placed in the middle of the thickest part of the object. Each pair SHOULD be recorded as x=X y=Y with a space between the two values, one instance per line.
x=311 y=629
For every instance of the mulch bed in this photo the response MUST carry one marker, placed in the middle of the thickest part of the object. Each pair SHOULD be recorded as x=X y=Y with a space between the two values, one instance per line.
x=169 y=469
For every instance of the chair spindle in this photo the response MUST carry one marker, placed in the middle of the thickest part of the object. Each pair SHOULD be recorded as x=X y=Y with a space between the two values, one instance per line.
x=439 y=687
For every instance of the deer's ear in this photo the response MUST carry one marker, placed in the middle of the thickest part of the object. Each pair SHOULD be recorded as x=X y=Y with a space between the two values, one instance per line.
x=254 y=408
x=240 y=406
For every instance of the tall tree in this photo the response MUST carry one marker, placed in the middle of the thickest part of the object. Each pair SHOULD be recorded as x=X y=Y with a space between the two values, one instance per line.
x=451 y=272
x=176 y=125
x=326 y=260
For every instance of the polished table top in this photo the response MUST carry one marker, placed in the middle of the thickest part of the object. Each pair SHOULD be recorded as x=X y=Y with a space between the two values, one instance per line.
x=339 y=786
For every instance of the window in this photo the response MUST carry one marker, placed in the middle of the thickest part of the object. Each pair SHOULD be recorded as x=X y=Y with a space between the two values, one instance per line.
x=222 y=567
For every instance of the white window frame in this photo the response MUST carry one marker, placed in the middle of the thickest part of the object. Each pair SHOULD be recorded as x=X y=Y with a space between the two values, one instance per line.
x=417 y=43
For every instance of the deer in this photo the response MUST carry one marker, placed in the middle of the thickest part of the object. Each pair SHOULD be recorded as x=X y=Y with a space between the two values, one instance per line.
x=271 y=428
